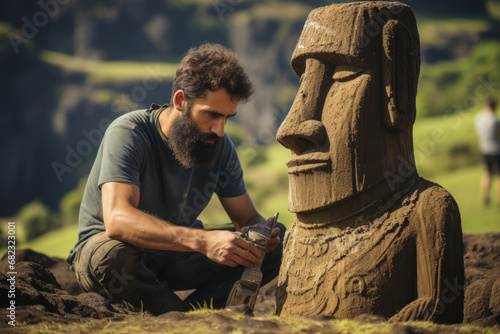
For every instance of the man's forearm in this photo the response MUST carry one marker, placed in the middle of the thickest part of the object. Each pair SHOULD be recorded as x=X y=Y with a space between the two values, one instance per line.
x=249 y=222
x=142 y=230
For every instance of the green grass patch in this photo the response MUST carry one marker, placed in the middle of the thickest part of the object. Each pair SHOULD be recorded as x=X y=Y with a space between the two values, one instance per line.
x=298 y=325
x=463 y=184
x=446 y=152
x=5 y=28
x=445 y=143
x=471 y=329
x=434 y=32
x=45 y=327
x=493 y=7
x=111 y=71
x=54 y=243
x=204 y=308
x=461 y=84
x=349 y=326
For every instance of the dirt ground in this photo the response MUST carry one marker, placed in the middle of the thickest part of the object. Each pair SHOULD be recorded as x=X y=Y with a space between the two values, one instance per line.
x=48 y=300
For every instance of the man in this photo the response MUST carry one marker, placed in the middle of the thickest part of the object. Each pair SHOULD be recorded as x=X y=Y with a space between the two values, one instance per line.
x=488 y=130
x=154 y=173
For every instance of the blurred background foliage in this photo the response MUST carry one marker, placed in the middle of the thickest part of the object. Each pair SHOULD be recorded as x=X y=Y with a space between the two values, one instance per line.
x=65 y=78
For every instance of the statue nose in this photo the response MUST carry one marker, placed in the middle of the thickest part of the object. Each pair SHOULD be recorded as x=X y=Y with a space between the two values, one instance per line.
x=304 y=135
x=302 y=129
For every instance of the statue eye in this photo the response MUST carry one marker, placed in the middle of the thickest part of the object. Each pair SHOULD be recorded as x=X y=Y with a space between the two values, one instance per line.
x=346 y=72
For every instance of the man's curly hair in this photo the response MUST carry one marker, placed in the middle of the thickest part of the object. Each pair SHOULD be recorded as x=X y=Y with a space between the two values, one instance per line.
x=211 y=66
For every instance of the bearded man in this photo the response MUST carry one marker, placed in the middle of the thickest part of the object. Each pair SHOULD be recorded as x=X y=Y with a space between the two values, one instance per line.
x=155 y=172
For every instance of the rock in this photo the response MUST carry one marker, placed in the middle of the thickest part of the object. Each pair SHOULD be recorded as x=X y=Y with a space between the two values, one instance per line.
x=59 y=267
x=40 y=296
x=495 y=299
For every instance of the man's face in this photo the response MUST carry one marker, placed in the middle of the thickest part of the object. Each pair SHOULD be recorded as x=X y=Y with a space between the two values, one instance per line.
x=195 y=136
x=331 y=126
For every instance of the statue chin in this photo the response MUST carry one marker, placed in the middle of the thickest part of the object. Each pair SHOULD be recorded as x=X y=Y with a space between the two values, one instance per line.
x=312 y=192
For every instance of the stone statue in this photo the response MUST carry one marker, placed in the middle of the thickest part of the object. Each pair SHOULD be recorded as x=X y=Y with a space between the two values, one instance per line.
x=369 y=235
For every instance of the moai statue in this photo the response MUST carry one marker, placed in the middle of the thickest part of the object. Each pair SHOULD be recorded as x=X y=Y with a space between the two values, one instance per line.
x=369 y=235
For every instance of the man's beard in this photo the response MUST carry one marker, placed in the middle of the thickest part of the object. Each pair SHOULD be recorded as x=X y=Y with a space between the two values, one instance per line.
x=189 y=144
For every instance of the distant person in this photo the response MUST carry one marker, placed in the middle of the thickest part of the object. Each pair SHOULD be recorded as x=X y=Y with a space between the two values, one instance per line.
x=488 y=130
x=139 y=239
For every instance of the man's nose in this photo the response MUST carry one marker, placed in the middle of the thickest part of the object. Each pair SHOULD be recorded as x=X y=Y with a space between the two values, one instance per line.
x=218 y=127
x=302 y=129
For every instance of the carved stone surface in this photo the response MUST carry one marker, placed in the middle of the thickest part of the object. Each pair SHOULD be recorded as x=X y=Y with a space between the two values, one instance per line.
x=369 y=235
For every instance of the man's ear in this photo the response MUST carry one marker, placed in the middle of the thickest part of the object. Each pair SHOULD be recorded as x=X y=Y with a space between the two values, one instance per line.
x=179 y=100
x=400 y=76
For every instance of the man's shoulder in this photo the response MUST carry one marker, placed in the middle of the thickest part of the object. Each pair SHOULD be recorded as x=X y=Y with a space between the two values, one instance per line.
x=132 y=119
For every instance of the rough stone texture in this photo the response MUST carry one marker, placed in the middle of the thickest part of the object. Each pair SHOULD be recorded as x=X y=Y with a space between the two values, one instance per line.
x=39 y=297
x=482 y=278
x=369 y=235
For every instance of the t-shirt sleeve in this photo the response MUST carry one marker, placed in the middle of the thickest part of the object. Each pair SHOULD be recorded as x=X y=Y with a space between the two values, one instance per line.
x=123 y=150
x=230 y=182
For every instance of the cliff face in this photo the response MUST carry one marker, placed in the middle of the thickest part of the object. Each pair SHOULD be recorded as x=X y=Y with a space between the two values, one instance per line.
x=52 y=115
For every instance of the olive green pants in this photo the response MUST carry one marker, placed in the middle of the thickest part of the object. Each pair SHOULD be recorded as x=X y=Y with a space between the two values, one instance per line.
x=146 y=279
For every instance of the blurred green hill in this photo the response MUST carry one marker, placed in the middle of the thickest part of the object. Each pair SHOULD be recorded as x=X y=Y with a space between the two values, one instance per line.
x=64 y=79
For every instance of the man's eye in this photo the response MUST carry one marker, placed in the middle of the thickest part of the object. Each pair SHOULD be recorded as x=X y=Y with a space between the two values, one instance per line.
x=346 y=72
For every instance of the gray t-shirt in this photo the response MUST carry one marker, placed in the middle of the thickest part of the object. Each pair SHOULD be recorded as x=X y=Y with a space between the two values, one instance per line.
x=133 y=150
x=488 y=128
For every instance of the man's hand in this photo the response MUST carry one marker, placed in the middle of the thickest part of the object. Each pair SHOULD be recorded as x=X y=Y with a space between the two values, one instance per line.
x=275 y=237
x=227 y=248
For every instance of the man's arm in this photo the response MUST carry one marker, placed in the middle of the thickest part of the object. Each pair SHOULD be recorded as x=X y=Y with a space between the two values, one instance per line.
x=123 y=221
x=243 y=213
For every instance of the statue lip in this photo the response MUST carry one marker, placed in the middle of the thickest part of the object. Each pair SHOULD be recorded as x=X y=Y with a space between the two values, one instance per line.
x=307 y=162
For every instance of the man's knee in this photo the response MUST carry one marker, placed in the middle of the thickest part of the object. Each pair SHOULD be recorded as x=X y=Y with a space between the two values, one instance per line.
x=106 y=266
x=115 y=265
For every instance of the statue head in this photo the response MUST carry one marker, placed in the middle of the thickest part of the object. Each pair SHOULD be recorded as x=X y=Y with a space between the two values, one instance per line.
x=350 y=126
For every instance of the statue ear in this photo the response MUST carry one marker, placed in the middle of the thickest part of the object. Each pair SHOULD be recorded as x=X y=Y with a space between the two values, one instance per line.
x=400 y=76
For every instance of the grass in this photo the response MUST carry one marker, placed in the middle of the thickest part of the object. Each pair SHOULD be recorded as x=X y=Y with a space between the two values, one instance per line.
x=445 y=143
x=349 y=326
x=463 y=184
x=204 y=308
x=54 y=243
x=435 y=32
x=5 y=28
x=111 y=71
x=197 y=324
x=493 y=7
x=446 y=153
